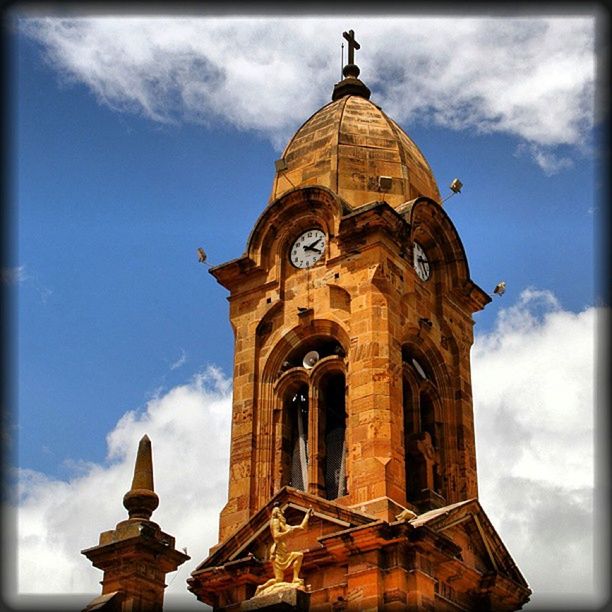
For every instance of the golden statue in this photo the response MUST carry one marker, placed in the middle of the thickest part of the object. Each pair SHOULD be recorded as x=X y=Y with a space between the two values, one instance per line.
x=283 y=559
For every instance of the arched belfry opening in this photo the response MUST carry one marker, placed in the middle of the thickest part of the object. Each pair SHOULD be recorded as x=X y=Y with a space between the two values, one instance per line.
x=312 y=392
x=423 y=432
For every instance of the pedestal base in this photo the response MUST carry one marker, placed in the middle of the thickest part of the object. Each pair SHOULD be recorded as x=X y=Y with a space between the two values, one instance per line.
x=286 y=599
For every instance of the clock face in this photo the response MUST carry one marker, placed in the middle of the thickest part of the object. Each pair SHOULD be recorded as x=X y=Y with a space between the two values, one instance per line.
x=420 y=262
x=308 y=248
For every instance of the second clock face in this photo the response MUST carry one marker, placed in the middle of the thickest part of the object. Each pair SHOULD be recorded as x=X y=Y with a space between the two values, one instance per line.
x=308 y=248
x=420 y=262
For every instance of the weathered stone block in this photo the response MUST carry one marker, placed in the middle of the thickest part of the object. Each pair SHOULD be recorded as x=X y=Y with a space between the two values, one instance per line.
x=285 y=600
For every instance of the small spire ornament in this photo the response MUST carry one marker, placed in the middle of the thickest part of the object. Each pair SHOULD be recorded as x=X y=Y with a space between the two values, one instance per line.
x=141 y=499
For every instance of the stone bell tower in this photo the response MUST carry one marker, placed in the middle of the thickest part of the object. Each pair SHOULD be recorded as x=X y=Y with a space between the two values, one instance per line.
x=352 y=311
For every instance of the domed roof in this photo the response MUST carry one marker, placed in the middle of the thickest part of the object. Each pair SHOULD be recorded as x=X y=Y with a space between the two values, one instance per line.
x=347 y=145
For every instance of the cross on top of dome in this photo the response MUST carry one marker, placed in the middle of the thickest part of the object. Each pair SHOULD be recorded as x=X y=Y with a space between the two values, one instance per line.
x=353 y=44
x=350 y=85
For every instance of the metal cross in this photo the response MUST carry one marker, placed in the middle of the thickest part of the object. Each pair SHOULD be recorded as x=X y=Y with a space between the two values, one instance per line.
x=352 y=45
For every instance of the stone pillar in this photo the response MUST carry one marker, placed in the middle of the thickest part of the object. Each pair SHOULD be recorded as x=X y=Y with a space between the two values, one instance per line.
x=135 y=556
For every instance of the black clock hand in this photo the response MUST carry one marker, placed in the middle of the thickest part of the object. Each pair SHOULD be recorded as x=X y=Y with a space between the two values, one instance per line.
x=312 y=244
x=309 y=248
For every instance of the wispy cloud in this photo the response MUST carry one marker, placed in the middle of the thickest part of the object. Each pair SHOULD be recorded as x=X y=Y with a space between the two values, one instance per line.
x=551 y=162
x=12 y=276
x=18 y=275
x=530 y=77
x=533 y=389
x=180 y=361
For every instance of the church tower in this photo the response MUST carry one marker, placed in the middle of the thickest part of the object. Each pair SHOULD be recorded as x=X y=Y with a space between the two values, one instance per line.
x=352 y=312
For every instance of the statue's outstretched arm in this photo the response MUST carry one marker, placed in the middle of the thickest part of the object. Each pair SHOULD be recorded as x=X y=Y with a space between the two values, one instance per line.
x=306 y=518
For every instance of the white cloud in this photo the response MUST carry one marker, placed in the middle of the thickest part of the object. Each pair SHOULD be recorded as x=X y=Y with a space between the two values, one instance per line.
x=531 y=77
x=533 y=388
x=533 y=396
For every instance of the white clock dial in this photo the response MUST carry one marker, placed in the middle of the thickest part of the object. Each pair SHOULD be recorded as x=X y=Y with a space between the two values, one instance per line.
x=420 y=262
x=308 y=248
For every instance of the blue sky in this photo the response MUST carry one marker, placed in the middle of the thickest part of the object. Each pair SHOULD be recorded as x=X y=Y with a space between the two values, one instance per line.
x=128 y=150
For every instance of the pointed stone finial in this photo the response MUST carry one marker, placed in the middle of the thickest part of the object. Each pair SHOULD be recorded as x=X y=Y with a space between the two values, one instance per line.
x=143 y=470
x=141 y=499
x=137 y=554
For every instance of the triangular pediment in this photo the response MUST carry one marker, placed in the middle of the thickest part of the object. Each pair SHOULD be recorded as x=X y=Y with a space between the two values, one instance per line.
x=466 y=525
x=253 y=538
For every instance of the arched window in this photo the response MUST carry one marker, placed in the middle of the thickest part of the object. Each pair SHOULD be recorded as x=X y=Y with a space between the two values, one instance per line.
x=422 y=434
x=312 y=388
